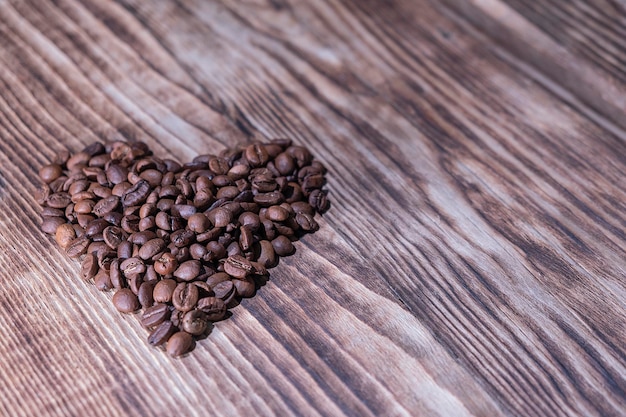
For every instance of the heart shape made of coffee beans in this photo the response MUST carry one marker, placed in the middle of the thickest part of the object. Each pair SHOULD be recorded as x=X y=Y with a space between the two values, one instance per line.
x=183 y=243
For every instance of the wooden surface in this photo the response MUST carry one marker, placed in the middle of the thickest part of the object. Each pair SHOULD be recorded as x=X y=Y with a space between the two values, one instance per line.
x=473 y=261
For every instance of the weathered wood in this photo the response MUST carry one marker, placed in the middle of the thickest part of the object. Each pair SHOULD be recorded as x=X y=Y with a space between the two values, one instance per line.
x=472 y=263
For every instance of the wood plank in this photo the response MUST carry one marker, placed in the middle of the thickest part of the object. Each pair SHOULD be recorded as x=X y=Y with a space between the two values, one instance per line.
x=579 y=45
x=472 y=262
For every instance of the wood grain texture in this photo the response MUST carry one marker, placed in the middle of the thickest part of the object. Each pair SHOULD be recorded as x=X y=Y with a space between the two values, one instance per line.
x=472 y=263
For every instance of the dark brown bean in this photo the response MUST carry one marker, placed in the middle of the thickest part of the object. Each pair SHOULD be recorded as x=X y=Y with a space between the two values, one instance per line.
x=162 y=333
x=256 y=155
x=277 y=213
x=49 y=173
x=306 y=222
x=164 y=290
x=113 y=236
x=213 y=307
x=198 y=223
x=224 y=290
x=151 y=248
x=244 y=288
x=50 y=224
x=145 y=294
x=185 y=297
x=188 y=270
x=89 y=267
x=267 y=256
x=137 y=194
x=132 y=266
x=155 y=315
x=65 y=234
x=318 y=200
x=282 y=246
x=102 y=281
x=195 y=322
x=269 y=199
x=166 y=264
x=237 y=267
x=106 y=205
x=125 y=301
x=179 y=344
x=58 y=200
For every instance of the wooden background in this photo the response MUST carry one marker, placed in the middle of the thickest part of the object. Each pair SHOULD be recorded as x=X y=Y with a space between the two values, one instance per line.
x=474 y=258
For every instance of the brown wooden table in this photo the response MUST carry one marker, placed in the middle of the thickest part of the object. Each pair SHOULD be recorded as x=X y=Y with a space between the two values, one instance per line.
x=474 y=258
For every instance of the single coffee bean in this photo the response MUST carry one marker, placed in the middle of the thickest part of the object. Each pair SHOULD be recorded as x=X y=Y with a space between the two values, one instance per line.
x=277 y=214
x=65 y=234
x=319 y=201
x=213 y=307
x=145 y=294
x=198 y=223
x=185 y=297
x=267 y=256
x=182 y=238
x=151 y=248
x=224 y=290
x=166 y=264
x=59 y=200
x=137 y=194
x=49 y=173
x=50 y=224
x=244 y=288
x=162 y=333
x=220 y=217
x=116 y=173
x=197 y=251
x=155 y=315
x=113 y=236
x=237 y=267
x=245 y=238
x=306 y=222
x=257 y=155
x=283 y=246
x=303 y=207
x=188 y=270
x=102 y=281
x=301 y=154
x=130 y=223
x=269 y=199
x=132 y=266
x=125 y=301
x=152 y=176
x=151 y=275
x=115 y=274
x=89 y=267
x=195 y=322
x=106 y=205
x=184 y=211
x=179 y=344
x=125 y=250
x=284 y=163
x=164 y=290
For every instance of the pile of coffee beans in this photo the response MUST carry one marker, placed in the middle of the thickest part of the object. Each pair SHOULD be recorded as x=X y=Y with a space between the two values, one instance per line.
x=182 y=243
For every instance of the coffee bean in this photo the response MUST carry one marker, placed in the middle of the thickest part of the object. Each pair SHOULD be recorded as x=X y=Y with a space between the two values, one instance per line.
x=132 y=266
x=65 y=234
x=155 y=315
x=113 y=236
x=125 y=301
x=224 y=290
x=182 y=238
x=185 y=296
x=188 y=270
x=102 y=281
x=151 y=248
x=49 y=173
x=277 y=214
x=195 y=322
x=213 y=307
x=319 y=201
x=257 y=155
x=59 y=200
x=164 y=290
x=179 y=344
x=282 y=246
x=244 y=288
x=269 y=199
x=162 y=333
x=306 y=222
x=198 y=223
x=237 y=267
x=145 y=294
x=137 y=194
x=166 y=264
x=106 y=205
x=89 y=267
x=267 y=256
x=50 y=224
x=115 y=274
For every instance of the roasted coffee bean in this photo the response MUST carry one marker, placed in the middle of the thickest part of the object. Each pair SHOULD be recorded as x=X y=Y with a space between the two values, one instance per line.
x=137 y=194
x=49 y=173
x=115 y=274
x=269 y=199
x=197 y=251
x=89 y=267
x=215 y=251
x=220 y=217
x=145 y=294
x=244 y=288
x=151 y=248
x=130 y=223
x=106 y=205
x=102 y=281
x=185 y=297
x=132 y=266
x=155 y=315
x=188 y=270
x=125 y=250
x=318 y=200
x=306 y=222
x=282 y=246
x=50 y=224
x=284 y=163
x=125 y=301
x=166 y=264
x=164 y=290
x=224 y=290
x=256 y=155
x=65 y=234
x=179 y=344
x=113 y=236
x=162 y=333
x=302 y=207
x=59 y=200
x=198 y=223
x=245 y=238
x=213 y=307
x=182 y=238
x=195 y=322
x=277 y=214
x=267 y=256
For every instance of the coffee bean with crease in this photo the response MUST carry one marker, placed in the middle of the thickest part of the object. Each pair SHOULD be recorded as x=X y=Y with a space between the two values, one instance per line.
x=185 y=297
